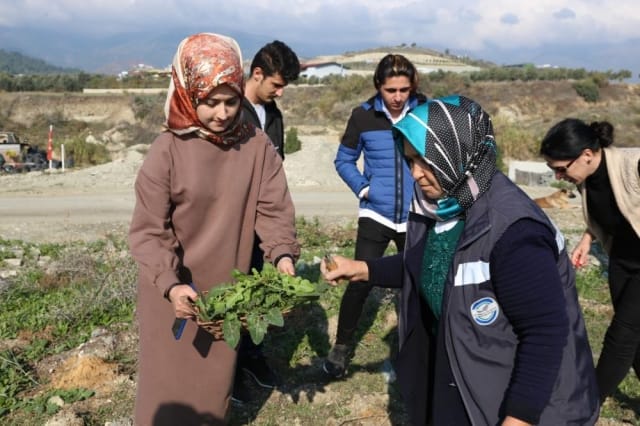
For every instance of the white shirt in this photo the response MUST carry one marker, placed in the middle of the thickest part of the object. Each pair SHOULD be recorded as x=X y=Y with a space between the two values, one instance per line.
x=262 y=114
x=405 y=109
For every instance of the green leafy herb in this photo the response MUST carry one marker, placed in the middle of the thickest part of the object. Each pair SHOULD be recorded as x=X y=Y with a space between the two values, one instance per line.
x=258 y=300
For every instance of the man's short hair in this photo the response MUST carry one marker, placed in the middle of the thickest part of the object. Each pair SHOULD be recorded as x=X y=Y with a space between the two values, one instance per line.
x=277 y=57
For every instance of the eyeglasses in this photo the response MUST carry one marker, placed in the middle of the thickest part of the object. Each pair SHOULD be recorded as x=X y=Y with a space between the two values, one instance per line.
x=563 y=169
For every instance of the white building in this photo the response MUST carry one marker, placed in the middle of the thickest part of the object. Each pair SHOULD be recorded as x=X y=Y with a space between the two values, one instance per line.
x=322 y=69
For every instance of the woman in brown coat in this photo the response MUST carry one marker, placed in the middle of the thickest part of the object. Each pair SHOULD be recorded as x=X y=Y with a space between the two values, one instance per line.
x=206 y=183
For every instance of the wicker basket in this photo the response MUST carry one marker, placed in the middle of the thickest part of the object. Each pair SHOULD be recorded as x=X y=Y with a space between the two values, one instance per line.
x=215 y=327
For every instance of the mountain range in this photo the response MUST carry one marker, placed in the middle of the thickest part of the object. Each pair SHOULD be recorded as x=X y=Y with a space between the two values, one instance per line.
x=97 y=53
x=110 y=54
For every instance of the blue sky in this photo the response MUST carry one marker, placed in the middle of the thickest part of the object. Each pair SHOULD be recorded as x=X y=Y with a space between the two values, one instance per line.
x=95 y=34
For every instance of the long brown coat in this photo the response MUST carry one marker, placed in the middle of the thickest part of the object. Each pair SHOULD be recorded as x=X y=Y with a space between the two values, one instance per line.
x=197 y=206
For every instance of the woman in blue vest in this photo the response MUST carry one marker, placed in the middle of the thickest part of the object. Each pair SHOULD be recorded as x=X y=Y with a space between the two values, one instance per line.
x=490 y=329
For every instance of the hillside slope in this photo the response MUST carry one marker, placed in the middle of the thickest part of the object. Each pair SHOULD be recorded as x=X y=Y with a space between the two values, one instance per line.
x=17 y=63
x=425 y=60
x=529 y=107
x=522 y=110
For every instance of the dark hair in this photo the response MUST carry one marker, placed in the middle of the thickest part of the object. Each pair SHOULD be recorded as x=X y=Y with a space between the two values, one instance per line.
x=277 y=57
x=392 y=66
x=568 y=138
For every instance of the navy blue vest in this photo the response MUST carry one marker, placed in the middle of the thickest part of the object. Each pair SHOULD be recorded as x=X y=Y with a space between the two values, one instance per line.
x=479 y=341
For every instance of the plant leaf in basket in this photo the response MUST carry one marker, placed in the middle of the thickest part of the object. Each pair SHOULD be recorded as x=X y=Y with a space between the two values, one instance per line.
x=271 y=300
x=201 y=308
x=275 y=317
x=233 y=298
x=257 y=326
x=256 y=300
x=231 y=329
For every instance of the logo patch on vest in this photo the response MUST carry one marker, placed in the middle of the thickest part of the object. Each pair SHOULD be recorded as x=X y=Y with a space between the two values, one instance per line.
x=485 y=311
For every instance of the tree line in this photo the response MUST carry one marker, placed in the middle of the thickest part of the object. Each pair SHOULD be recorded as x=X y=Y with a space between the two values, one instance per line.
x=76 y=82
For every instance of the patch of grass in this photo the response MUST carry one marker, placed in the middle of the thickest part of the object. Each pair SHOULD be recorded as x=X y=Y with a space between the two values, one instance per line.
x=84 y=153
x=514 y=140
x=16 y=376
x=593 y=289
x=42 y=404
x=592 y=284
x=54 y=308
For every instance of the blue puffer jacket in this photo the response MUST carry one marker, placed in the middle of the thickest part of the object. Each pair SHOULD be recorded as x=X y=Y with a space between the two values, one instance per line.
x=385 y=171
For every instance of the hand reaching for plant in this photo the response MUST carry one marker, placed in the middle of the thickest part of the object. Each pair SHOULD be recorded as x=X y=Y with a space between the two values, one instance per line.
x=285 y=266
x=580 y=255
x=335 y=268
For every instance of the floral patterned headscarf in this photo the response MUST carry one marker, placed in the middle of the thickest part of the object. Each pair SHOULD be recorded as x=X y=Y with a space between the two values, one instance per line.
x=203 y=62
x=455 y=137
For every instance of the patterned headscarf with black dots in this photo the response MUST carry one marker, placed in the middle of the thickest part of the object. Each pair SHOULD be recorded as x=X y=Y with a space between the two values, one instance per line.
x=455 y=137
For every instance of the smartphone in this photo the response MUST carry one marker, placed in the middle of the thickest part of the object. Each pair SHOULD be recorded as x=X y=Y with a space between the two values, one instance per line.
x=178 y=327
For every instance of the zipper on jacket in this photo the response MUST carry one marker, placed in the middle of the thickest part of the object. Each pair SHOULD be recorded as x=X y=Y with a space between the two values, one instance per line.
x=399 y=187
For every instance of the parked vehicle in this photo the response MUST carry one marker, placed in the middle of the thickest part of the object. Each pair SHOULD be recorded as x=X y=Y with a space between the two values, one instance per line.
x=18 y=156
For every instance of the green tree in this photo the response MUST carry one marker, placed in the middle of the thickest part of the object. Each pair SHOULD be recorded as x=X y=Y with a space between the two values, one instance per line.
x=292 y=142
x=86 y=154
x=587 y=89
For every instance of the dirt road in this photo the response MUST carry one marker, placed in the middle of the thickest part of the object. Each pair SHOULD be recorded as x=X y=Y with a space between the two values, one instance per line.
x=90 y=203
x=88 y=216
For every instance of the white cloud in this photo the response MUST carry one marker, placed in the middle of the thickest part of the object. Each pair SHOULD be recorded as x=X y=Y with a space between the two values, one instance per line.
x=564 y=13
x=509 y=19
x=457 y=24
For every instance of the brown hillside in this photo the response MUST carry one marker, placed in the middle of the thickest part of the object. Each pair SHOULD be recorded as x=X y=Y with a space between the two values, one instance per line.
x=530 y=107
x=537 y=105
x=521 y=110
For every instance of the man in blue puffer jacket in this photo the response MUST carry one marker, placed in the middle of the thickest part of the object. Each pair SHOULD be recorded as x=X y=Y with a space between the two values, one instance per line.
x=384 y=187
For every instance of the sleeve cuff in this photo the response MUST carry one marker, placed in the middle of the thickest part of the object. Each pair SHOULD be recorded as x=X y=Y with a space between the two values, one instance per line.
x=168 y=290
x=363 y=191
x=277 y=259
x=522 y=411
x=165 y=281
x=384 y=271
x=274 y=254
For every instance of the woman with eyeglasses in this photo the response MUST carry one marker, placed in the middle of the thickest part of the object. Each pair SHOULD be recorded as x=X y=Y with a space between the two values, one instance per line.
x=609 y=181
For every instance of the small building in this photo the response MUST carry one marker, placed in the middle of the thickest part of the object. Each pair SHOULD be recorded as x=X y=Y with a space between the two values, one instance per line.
x=322 y=69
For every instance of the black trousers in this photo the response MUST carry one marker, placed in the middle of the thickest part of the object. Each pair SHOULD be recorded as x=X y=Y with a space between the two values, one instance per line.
x=621 y=345
x=371 y=242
